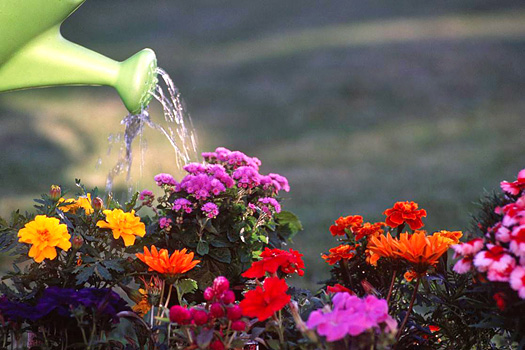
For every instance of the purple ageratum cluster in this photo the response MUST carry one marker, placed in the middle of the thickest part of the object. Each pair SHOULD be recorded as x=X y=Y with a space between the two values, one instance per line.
x=352 y=316
x=231 y=159
x=210 y=209
x=182 y=204
x=165 y=179
x=276 y=182
x=55 y=301
x=267 y=202
x=247 y=177
x=205 y=181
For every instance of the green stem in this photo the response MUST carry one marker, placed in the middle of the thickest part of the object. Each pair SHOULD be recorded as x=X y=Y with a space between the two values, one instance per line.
x=391 y=286
x=400 y=331
x=280 y=330
x=169 y=295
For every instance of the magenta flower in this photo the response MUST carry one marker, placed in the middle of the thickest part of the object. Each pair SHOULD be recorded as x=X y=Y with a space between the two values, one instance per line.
x=268 y=202
x=210 y=209
x=165 y=179
x=182 y=204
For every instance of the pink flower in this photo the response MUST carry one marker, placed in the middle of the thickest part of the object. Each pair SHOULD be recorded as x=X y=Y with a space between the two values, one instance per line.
x=182 y=204
x=514 y=188
x=517 y=281
x=269 y=205
x=463 y=265
x=165 y=179
x=247 y=177
x=210 y=209
x=468 y=248
x=517 y=241
x=164 y=222
x=496 y=262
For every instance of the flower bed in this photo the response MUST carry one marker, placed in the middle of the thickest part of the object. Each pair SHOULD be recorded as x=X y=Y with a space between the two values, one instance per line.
x=204 y=267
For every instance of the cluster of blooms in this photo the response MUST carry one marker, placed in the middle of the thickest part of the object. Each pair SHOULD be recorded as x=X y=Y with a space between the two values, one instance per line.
x=60 y=302
x=501 y=254
x=224 y=169
x=274 y=260
x=219 y=313
x=418 y=249
x=352 y=316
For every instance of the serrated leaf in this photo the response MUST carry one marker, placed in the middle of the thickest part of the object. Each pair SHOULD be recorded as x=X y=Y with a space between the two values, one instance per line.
x=85 y=274
x=113 y=265
x=103 y=273
x=186 y=286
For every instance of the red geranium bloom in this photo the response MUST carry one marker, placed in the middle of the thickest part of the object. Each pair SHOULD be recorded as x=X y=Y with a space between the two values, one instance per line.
x=273 y=259
x=405 y=212
x=338 y=289
x=369 y=229
x=263 y=302
x=348 y=222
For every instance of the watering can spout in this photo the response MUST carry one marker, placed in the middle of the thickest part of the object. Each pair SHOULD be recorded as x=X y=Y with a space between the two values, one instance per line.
x=33 y=54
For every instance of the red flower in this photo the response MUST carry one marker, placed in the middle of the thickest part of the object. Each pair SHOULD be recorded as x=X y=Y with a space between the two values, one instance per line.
x=338 y=289
x=368 y=229
x=349 y=222
x=342 y=252
x=500 y=300
x=405 y=212
x=273 y=259
x=263 y=302
x=514 y=188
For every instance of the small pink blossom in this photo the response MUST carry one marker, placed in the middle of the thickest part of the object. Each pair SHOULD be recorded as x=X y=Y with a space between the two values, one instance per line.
x=165 y=179
x=165 y=222
x=468 y=248
x=514 y=188
x=210 y=209
x=517 y=281
x=496 y=262
x=182 y=204
x=463 y=265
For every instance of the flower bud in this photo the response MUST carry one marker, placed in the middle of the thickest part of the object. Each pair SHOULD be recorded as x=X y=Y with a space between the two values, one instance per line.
x=228 y=297
x=77 y=242
x=216 y=310
x=55 y=192
x=97 y=203
x=234 y=313
x=221 y=284
x=209 y=294
x=180 y=315
x=239 y=326
x=217 y=345
x=200 y=317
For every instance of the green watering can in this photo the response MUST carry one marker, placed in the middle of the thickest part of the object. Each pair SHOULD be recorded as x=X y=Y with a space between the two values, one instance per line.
x=33 y=54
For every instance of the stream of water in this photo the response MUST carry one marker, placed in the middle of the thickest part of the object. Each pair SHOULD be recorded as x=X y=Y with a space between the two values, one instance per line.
x=178 y=130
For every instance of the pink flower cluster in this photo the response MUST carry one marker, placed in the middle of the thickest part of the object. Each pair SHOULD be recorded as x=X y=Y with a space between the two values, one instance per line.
x=269 y=204
x=211 y=210
x=350 y=315
x=204 y=181
x=182 y=204
x=501 y=255
x=165 y=179
x=219 y=310
x=231 y=159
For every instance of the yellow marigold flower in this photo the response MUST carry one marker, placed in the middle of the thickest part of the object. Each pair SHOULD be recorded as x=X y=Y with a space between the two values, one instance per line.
x=125 y=225
x=449 y=237
x=73 y=205
x=44 y=234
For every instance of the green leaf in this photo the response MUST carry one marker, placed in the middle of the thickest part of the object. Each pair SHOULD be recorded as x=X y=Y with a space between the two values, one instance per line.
x=233 y=235
x=131 y=204
x=221 y=254
x=220 y=243
x=114 y=265
x=273 y=344
x=288 y=224
x=203 y=248
x=103 y=273
x=186 y=286
x=85 y=274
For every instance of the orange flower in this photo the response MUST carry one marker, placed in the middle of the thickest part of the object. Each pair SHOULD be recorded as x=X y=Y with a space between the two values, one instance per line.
x=405 y=212
x=410 y=275
x=420 y=250
x=178 y=263
x=45 y=234
x=125 y=225
x=348 y=222
x=368 y=229
x=450 y=237
x=344 y=251
x=381 y=247
x=72 y=205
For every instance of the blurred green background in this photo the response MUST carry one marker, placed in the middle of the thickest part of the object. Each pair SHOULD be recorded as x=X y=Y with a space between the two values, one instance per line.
x=359 y=103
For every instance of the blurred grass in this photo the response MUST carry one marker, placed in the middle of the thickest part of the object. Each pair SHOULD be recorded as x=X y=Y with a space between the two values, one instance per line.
x=358 y=103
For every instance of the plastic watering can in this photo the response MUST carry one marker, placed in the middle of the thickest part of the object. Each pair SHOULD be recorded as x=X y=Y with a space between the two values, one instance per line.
x=33 y=54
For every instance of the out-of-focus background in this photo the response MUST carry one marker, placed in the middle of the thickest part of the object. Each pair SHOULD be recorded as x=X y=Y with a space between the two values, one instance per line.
x=359 y=103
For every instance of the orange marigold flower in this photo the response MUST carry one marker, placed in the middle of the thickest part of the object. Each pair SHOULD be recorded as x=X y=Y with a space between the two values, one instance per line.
x=72 y=205
x=420 y=250
x=343 y=252
x=143 y=306
x=348 y=222
x=410 y=275
x=450 y=237
x=381 y=247
x=368 y=229
x=263 y=302
x=178 y=263
x=405 y=212
x=125 y=225
x=45 y=234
